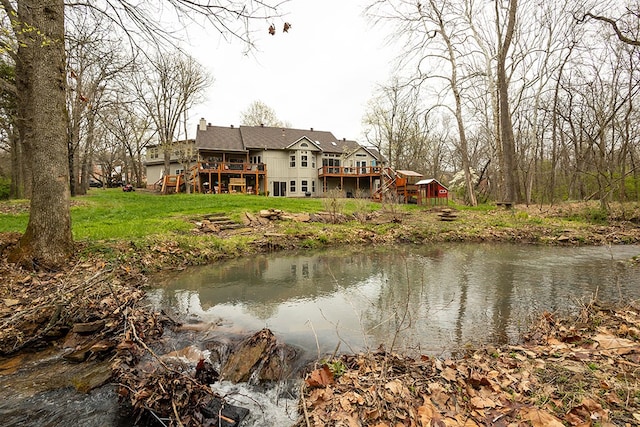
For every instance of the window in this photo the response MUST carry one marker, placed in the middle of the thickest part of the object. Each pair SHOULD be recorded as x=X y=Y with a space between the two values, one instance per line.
x=313 y=186
x=292 y=187
x=330 y=162
x=334 y=165
x=179 y=171
x=313 y=161
x=304 y=144
x=154 y=153
x=303 y=186
x=292 y=160
x=303 y=161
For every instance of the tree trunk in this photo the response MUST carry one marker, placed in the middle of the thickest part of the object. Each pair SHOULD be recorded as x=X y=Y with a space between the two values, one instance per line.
x=455 y=88
x=506 y=125
x=16 y=190
x=41 y=82
x=87 y=156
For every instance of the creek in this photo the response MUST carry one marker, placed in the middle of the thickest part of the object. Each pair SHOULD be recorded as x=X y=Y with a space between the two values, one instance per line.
x=419 y=299
x=430 y=299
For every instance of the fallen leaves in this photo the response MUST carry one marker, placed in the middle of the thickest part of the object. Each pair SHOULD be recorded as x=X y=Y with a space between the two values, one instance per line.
x=574 y=372
x=321 y=377
x=540 y=418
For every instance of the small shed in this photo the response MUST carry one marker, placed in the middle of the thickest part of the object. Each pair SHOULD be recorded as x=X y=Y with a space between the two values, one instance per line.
x=432 y=192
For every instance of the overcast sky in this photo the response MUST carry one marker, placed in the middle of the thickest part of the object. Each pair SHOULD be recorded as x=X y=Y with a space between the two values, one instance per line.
x=318 y=75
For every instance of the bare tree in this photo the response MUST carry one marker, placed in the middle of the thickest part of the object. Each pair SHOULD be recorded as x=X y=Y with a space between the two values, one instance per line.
x=94 y=64
x=260 y=114
x=442 y=31
x=392 y=121
x=623 y=29
x=505 y=37
x=167 y=87
x=430 y=31
x=132 y=131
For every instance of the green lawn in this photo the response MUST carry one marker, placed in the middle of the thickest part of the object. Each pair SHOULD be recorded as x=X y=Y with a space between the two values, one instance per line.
x=114 y=214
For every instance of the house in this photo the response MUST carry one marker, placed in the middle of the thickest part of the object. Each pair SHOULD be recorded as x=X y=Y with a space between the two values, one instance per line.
x=275 y=161
x=183 y=154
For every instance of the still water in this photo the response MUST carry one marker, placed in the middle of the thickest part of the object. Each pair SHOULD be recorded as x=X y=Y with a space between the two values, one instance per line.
x=431 y=299
x=428 y=299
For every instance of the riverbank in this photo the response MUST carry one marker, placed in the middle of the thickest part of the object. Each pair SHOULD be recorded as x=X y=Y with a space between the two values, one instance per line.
x=578 y=371
x=89 y=306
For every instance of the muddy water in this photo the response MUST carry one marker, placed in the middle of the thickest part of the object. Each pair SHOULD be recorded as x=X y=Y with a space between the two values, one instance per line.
x=427 y=299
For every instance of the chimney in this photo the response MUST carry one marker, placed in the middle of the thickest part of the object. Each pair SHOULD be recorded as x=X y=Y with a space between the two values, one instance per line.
x=311 y=129
x=203 y=124
x=261 y=125
x=344 y=139
x=231 y=126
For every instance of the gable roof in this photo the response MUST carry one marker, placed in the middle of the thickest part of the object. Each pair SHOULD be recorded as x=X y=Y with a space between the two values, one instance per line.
x=301 y=140
x=376 y=154
x=276 y=138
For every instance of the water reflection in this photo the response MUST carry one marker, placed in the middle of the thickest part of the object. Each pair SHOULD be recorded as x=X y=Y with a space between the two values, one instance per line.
x=423 y=298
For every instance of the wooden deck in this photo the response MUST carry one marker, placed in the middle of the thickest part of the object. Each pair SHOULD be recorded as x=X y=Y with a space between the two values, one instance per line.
x=220 y=177
x=351 y=172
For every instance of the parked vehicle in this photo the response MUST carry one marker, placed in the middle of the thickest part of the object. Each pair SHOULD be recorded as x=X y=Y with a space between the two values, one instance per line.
x=128 y=187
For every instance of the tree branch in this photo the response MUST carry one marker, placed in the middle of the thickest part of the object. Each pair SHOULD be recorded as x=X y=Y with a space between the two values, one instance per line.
x=613 y=25
x=8 y=87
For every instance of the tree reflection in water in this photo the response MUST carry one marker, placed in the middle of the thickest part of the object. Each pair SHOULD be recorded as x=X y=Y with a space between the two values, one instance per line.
x=427 y=298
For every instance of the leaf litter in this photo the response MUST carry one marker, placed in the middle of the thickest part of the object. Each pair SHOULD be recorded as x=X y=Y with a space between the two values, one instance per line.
x=577 y=371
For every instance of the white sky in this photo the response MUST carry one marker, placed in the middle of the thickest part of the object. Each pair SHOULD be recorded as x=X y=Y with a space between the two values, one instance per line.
x=320 y=74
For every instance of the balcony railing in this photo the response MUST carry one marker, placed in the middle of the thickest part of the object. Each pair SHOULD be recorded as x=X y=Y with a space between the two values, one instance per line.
x=232 y=167
x=358 y=171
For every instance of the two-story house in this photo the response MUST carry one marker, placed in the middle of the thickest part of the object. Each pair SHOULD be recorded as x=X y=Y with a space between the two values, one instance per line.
x=280 y=162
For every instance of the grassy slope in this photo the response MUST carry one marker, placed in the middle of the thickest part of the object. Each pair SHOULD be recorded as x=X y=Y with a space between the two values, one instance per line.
x=155 y=231
x=113 y=214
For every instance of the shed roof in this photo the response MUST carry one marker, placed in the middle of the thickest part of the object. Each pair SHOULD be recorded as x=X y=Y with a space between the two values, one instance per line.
x=408 y=173
x=429 y=181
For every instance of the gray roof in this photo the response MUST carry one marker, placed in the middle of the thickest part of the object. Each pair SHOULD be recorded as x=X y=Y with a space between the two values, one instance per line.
x=280 y=138
x=219 y=138
x=244 y=138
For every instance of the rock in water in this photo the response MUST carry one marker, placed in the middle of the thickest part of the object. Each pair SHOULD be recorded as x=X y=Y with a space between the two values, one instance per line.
x=252 y=355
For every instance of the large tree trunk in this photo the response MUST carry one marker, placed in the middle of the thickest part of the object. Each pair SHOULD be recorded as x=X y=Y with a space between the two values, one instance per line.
x=41 y=82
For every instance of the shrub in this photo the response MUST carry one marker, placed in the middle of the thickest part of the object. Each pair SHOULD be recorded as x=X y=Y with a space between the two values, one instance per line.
x=5 y=188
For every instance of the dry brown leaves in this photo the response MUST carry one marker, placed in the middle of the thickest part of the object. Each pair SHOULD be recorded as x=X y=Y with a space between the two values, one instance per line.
x=583 y=371
x=39 y=307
